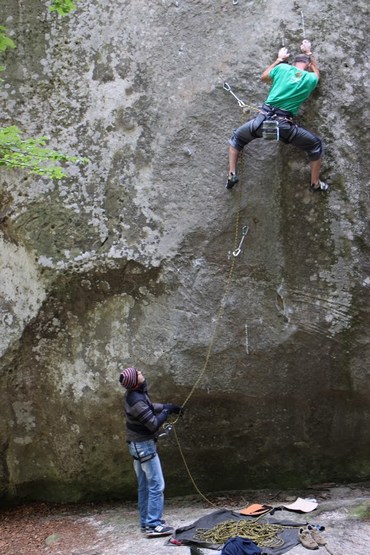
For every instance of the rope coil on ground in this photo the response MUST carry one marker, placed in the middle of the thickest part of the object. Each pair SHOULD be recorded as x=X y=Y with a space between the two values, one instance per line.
x=264 y=535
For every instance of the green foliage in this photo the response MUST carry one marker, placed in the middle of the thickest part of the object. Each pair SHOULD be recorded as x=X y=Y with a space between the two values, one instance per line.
x=63 y=7
x=32 y=154
x=5 y=41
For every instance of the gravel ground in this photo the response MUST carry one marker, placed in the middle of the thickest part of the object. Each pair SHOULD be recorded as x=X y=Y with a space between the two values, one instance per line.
x=112 y=528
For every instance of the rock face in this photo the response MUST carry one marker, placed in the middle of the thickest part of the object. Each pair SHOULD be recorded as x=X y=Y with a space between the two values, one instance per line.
x=129 y=261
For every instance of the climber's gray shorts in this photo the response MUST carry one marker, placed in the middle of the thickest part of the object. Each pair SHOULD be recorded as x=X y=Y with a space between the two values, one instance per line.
x=289 y=132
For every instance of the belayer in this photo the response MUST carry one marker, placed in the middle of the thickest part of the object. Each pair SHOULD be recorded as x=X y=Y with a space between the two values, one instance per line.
x=291 y=86
x=143 y=420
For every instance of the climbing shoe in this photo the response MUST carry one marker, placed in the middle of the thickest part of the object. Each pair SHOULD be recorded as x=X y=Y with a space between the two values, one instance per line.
x=320 y=186
x=158 y=531
x=306 y=539
x=232 y=179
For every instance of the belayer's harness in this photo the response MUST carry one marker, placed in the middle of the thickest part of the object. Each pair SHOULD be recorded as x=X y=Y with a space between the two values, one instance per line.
x=272 y=119
x=141 y=456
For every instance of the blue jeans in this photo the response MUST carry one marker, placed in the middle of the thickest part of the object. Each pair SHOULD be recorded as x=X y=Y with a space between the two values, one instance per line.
x=150 y=482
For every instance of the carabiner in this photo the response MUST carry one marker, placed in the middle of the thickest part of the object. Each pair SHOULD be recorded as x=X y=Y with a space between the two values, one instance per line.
x=167 y=429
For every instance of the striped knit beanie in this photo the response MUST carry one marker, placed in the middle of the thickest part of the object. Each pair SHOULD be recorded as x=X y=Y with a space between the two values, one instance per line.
x=128 y=378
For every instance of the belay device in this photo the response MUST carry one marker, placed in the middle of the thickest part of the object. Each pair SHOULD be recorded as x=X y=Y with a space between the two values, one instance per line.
x=270 y=129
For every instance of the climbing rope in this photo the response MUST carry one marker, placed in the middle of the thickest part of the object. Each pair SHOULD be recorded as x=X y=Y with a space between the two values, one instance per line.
x=189 y=473
x=264 y=535
x=236 y=250
x=171 y=427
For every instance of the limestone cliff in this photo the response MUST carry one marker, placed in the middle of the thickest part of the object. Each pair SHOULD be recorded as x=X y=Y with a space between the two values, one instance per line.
x=126 y=262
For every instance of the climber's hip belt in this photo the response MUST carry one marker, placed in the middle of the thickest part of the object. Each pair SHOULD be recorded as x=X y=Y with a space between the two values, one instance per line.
x=271 y=111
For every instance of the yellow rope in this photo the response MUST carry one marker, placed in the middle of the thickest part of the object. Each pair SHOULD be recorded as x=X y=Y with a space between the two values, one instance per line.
x=213 y=337
x=215 y=330
x=222 y=306
x=264 y=535
x=226 y=291
x=209 y=351
x=189 y=473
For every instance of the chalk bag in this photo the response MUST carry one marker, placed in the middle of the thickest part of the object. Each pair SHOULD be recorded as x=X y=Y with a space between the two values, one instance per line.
x=270 y=130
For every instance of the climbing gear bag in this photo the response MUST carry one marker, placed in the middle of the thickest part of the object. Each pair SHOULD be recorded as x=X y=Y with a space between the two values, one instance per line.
x=240 y=546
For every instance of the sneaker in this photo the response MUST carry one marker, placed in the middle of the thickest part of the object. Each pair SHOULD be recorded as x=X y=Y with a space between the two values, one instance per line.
x=316 y=536
x=158 y=531
x=144 y=528
x=232 y=179
x=306 y=539
x=320 y=186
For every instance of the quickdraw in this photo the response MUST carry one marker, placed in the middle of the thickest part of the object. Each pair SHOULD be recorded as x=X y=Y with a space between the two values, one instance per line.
x=246 y=107
x=227 y=88
x=237 y=251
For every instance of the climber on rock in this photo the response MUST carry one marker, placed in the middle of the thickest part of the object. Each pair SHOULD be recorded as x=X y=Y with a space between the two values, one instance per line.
x=291 y=86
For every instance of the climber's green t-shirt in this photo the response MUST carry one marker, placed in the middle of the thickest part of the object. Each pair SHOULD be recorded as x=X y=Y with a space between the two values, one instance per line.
x=290 y=87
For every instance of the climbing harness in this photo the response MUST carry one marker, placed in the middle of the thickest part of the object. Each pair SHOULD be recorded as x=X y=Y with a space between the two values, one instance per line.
x=270 y=125
x=237 y=251
x=143 y=457
x=274 y=117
